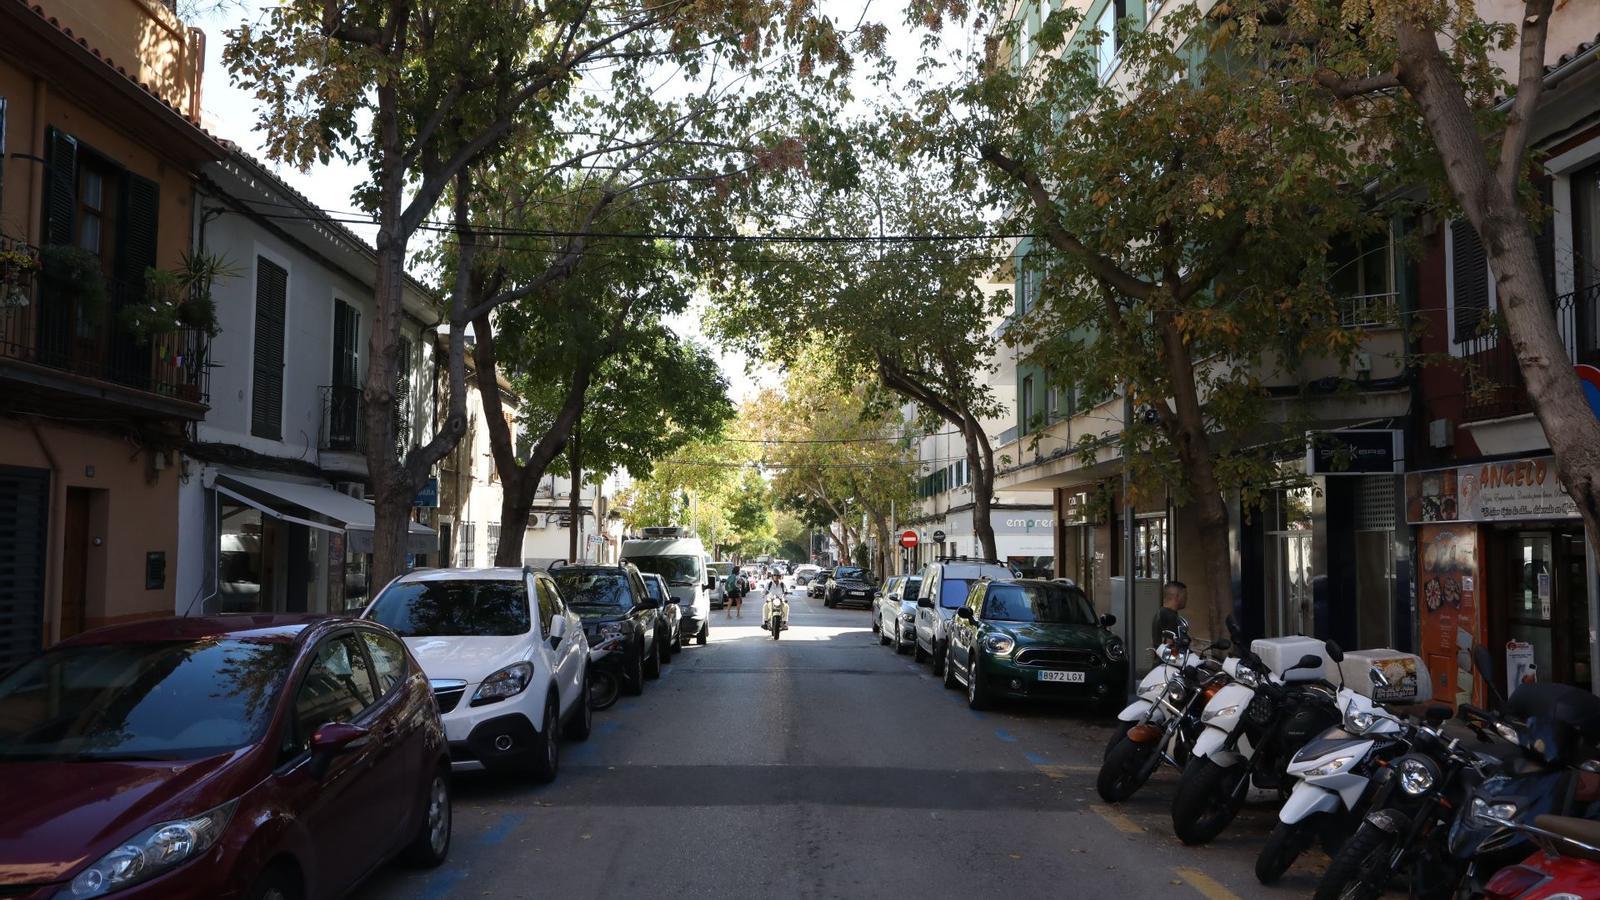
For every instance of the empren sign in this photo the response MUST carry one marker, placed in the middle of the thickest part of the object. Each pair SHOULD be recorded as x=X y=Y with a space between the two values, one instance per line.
x=908 y=540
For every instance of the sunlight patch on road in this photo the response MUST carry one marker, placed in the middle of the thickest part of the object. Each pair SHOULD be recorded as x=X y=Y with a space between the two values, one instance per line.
x=735 y=630
x=1117 y=820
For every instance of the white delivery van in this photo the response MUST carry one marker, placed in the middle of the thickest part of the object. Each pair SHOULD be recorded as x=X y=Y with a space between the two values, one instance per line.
x=677 y=555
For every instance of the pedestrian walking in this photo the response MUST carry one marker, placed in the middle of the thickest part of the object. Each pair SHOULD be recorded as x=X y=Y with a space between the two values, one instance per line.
x=735 y=588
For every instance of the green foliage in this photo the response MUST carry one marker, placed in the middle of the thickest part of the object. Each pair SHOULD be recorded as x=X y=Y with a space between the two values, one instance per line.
x=73 y=276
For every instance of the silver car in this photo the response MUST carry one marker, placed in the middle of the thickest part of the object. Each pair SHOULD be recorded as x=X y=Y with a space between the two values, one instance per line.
x=894 y=613
x=945 y=583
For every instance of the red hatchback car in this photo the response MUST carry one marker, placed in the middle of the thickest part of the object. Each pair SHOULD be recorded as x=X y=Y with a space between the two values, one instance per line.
x=278 y=757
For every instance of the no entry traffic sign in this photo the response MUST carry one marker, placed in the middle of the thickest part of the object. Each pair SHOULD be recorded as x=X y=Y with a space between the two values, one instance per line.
x=908 y=540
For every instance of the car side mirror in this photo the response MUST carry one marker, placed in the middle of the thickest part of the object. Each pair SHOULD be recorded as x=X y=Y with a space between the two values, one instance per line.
x=1107 y=620
x=965 y=612
x=558 y=630
x=924 y=603
x=672 y=599
x=331 y=740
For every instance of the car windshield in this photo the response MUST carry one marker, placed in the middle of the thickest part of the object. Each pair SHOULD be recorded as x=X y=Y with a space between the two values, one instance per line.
x=677 y=570
x=1047 y=604
x=595 y=593
x=953 y=592
x=167 y=700
x=454 y=608
x=909 y=591
x=851 y=572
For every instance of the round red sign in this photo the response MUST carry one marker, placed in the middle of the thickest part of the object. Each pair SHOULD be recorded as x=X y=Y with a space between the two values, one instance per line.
x=908 y=539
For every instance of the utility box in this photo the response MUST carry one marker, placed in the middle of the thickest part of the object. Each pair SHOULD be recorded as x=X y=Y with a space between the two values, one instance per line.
x=1282 y=652
x=1407 y=675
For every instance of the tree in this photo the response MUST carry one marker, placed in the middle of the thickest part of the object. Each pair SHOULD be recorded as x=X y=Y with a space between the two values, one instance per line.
x=690 y=488
x=909 y=315
x=1182 y=214
x=449 y=85
x=1386 y=63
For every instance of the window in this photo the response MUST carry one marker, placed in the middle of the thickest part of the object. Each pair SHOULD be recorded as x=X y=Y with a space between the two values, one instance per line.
x=346 y=345
x=547 y=606
x=469 y=536
x=1470 y=293
x=337 y=688
x=494 y=537
x=1150 y=547
x=1106 y=24
x=1026 y=289
x=454 y=607
x=266 y=384
x=1025 y=403
x=1025 y=32
x=1052 y=402
x=388 y=659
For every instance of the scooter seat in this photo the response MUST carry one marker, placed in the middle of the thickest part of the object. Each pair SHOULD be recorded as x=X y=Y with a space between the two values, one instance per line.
x=1584 y=830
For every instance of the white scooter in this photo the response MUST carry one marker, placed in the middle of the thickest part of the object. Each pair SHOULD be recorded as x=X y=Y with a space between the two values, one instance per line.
x=777 y=616
x=1334 y=775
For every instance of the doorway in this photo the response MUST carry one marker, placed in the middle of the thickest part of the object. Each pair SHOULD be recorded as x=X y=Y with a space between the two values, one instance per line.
x=75 y=563
x=1542 y=587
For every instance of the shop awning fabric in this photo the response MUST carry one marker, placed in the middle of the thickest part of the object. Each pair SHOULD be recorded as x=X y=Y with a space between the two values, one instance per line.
x=291 y=500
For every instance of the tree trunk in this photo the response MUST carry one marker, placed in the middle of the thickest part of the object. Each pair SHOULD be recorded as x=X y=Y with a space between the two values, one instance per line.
x=1489 y=202
x=577 y=491
x=392 y=492
x=980 y=459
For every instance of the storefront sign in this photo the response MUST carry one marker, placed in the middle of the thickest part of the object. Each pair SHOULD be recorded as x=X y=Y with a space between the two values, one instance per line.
x=1077 y=509
x=428 y=497
x=1356 y=451
x=1520 y=668
x=1447 y=608
x=1513 y=491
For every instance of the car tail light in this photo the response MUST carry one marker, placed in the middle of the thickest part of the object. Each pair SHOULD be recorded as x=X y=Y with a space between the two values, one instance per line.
x=1513 y=881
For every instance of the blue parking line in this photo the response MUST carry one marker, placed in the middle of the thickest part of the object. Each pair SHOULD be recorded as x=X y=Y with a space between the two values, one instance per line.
x=499 y=831
x=1036 y=759
x=441 y=883
x=1004 y=735
x=608 y=727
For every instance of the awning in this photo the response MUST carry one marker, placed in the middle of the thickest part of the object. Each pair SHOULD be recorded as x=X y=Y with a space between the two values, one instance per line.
x=343 y=512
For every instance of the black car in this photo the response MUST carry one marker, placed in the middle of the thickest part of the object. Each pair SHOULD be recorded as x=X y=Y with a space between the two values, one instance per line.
x=613 y=601
x=849 y=584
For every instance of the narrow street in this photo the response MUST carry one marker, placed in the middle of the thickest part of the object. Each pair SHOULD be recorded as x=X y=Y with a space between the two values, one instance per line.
x=822 y=766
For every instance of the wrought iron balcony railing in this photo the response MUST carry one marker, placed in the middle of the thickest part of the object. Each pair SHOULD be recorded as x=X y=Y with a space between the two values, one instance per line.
x=1494 y=385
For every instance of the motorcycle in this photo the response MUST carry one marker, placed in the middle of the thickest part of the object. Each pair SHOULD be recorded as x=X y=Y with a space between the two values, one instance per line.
x=1334 y=776
x=777 y=621
x=1566 y=865
x=1253 y=727
x=1164 y=718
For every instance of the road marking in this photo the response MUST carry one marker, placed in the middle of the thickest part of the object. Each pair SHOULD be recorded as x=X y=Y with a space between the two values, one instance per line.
x=441 y=883
x=1005 y=735
x=608 y=727
x=1208 y=887
x=1116 y=820
x=1036 y=759
x=1059 y=772
x=499 y=831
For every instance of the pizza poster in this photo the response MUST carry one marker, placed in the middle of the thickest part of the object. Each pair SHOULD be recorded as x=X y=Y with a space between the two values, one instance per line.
x=1447 y=607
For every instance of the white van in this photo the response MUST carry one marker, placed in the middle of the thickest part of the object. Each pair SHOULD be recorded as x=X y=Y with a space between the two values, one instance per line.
x=680 y=559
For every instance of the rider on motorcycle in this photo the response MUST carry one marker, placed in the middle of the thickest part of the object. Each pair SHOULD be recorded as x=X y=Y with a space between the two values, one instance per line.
x=775 y=600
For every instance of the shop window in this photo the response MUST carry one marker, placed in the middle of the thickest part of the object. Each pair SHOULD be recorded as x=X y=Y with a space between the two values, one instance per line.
x=242 y=583
x=1150 y=547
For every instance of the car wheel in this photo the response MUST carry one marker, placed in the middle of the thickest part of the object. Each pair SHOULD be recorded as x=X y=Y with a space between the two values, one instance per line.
x=940 y=651
x=633 y=675
x=677 y=641
x=875 y=629
x=581 y=721
x=884 y=637
x=950 y=678
x=705 y=628
x=977 y=693
x=900 y=642
x=432 y=843
x=917 y=653
x=652 y=659
x=666 y=650
x=276 y=883
x=547 y=746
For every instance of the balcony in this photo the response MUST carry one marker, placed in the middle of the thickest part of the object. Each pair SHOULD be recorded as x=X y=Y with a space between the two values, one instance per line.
x=53 y=349
x=344 y=421
x=1494 y=385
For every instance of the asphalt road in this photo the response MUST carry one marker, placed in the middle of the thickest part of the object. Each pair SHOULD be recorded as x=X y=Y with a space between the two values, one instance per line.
x=819 y=766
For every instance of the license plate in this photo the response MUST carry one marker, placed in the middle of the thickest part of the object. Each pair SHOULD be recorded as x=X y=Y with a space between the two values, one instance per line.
x=1073 y=677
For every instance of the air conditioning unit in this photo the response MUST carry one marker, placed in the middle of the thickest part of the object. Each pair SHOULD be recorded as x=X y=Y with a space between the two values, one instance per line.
x=535 y=522
x=351 y=489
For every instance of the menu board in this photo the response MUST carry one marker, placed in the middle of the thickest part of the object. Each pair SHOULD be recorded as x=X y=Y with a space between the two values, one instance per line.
x=1447 y=607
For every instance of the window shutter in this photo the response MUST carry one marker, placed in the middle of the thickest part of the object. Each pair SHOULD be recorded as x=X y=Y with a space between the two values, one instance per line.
x=136 y=252
x=2 y=152
x=1469 y=269
x=61 y=186
x=266 y=387
x=346 y=332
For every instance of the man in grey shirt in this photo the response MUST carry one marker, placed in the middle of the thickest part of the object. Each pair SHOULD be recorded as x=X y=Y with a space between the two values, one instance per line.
x=1174 y=597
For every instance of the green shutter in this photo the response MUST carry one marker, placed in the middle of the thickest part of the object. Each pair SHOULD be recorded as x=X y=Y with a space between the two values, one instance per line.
x=266 y=385
x=136 y=251
x=61 y=186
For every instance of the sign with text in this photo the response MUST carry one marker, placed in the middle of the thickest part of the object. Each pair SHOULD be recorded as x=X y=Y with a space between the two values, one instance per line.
x=1356 y=451
x=1489 y=492
x=428 y=497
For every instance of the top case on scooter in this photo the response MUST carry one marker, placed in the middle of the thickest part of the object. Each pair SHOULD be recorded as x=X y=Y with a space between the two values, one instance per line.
x=1407 y=676
x=1282 y=652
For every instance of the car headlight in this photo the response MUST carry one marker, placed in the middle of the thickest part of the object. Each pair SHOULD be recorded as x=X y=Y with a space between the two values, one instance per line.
x=1224 y=712
x=1331 y=767
x=508 y=682
x=151 y=852
x=1482 y=808
x=908 y=618
x=1115 y=651
x=998 y=644
x=1247 y=676
x=1416 y=778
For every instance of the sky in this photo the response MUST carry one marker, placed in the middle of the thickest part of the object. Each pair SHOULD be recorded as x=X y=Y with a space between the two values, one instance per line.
x=230 y=112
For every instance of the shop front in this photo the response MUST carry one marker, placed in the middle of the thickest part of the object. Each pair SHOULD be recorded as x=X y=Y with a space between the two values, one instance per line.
x=1502 y=562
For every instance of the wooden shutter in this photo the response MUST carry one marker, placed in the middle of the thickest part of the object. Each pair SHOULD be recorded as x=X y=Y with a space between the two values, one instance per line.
x=137 y=227
x=1469 y=269
x=61 y=187
x=266 y=387
x=346 y=332
x=24 y=516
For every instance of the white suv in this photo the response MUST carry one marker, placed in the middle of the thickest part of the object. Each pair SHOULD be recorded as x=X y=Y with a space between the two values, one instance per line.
x=508 y=662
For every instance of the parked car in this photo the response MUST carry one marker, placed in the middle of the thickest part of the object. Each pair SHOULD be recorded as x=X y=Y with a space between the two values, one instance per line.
x=1034 y=639
x=895 y=612
x=719 y=593
x=677 y=556
x=226 y=756
x=850 y=584
x=819 y=583
x=671 y=614
x=507 y=659
x=613 y=601
x=945 y=585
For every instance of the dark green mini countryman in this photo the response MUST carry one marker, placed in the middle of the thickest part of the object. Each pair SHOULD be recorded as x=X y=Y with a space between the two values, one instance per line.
x=1034 y=639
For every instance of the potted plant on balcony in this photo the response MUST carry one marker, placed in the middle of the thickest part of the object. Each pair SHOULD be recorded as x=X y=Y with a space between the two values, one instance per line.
x=74 y=279
x=17 y=265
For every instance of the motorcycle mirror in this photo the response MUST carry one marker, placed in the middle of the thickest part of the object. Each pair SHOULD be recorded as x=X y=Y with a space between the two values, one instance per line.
x=1222 y=644
x=1335 y=652
x=1309 y=661
x=1169 y=637
x=1484 y=663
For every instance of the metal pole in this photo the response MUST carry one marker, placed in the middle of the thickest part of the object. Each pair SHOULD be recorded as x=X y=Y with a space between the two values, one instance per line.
x=1593 y=566
x=1130 y=583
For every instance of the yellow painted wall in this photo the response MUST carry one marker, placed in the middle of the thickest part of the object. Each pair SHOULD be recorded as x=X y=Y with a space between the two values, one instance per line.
x=143 y=37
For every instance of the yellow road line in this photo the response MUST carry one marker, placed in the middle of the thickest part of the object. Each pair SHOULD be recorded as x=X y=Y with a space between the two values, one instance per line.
x=1117 y=820
x=1061 y=771
x=1208 y=887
